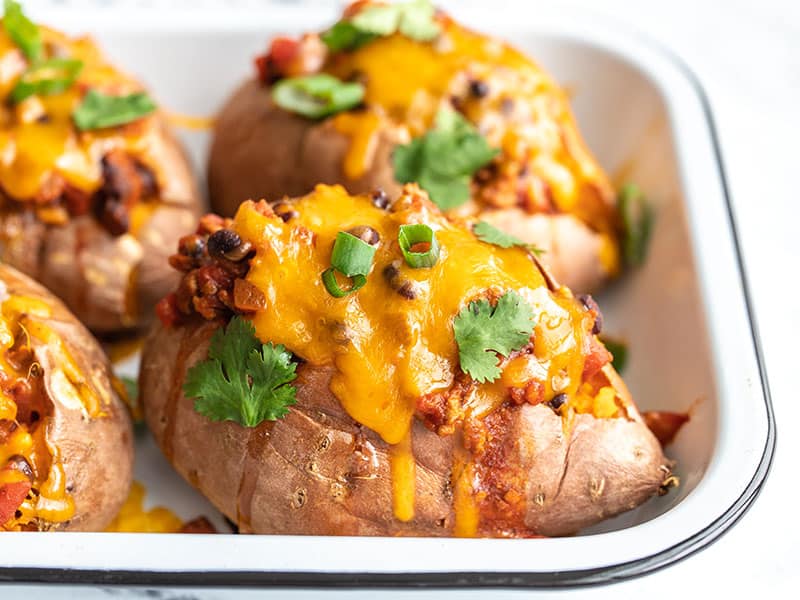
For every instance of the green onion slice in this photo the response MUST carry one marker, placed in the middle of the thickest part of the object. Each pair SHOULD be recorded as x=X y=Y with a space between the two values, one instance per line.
x=47 y=77
x=351 y=255
x=22 y=30
x=98 y=110
x=329 y=279
x=317 y=96
x=409 y=236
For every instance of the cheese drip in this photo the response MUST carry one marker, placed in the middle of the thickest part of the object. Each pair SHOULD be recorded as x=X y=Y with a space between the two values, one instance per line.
x=389 y=350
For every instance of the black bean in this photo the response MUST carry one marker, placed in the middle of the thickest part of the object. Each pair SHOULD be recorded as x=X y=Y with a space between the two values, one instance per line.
x=590 y=304
x=380 y=199
x=399 y=284
x=478 y=88
x=507 y=106
x=192 y=245
x=285 y=211
x=240 y=252
x=407 y=291
x=222 y=241
x=19 y=463
x=366 y=234
x=557 y=401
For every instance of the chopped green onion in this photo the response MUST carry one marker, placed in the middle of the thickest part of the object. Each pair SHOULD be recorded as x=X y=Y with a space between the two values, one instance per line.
x=409 y=236
x=47 y=77
x=637 y=220
x=317 y=96
x=329 y=279
x=351 y=255
x=22 y=30
x=98 y=110
x=346 y=36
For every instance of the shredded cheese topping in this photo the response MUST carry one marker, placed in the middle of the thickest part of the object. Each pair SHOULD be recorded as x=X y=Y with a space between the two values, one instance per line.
x=390 y=350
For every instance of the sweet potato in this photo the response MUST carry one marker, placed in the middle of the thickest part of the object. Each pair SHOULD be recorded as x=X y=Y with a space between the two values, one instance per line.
x=552 y=446
x=65 y=434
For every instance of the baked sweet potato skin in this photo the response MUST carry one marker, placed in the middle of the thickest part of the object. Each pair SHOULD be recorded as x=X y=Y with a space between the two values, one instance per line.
x=262 y=151
x=96 y=452
x=318 y=472
x=110 y=282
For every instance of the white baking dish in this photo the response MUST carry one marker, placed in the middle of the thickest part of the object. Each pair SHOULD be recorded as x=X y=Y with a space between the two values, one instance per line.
x=685 y=314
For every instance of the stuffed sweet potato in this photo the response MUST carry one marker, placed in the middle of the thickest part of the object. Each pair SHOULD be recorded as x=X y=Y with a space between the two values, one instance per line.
x=394 y=94
x=94 y=189
x=66 y=452
x=353 y=365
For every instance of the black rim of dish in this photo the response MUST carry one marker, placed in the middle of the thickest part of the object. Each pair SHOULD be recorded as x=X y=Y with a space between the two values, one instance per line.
x=561 y=579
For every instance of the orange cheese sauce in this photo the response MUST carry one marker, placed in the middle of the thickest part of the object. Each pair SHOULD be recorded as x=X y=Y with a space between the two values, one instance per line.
x=134 y=518
x=38 y=139
x=389 y=350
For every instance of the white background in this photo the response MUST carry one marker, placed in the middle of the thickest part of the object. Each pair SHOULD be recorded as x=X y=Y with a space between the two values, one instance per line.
x=747 y=55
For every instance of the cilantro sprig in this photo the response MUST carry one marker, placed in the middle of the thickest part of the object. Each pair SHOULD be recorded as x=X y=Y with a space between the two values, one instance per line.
x=483 y=332
x=98 y=110
x=415 y=20
x=490 y=234
x=637 y=220
x=619 y=350
x=242 y=380
x=443 y=160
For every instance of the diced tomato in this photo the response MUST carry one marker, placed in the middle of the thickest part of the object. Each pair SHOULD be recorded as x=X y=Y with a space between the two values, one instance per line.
x=198 y=525
x=11 y=496
x=596 y=359
x=278 y=59
x=167 y=310
x=664 y=425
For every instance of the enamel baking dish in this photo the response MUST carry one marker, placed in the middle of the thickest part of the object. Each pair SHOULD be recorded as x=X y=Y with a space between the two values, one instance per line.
x=685 y=314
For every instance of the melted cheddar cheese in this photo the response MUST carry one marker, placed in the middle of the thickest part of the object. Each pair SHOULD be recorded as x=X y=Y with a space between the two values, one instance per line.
x=21 y=326
x=522 y=111
x=38 y=139
x=389 y=350
x=134 y=518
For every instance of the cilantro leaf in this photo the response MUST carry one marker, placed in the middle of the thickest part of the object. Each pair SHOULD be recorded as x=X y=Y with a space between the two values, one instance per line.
x=131 y=388
x=483 y=332
x=637 y=220
x=619 y=350
x=98 y=110
x=242 y=380
x=415 y=20
x=490 y=234
x=443 y=160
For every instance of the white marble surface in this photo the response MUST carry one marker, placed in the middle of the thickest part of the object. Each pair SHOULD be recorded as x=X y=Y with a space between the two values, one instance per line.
x=747 y=55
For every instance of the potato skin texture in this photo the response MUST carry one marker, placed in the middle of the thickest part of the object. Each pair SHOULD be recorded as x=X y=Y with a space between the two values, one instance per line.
x=318 y=472
x=96 y=453
x=262 y=151
x=110 y=283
